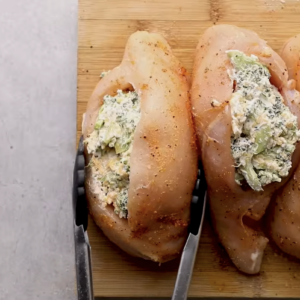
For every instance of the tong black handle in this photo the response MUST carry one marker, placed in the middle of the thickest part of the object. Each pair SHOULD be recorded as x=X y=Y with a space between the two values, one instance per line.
x=79 y=200
x=197 y=201
x=82 y=246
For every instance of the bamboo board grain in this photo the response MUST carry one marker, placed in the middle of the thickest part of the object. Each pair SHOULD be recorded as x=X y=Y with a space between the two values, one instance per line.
x=104 y=27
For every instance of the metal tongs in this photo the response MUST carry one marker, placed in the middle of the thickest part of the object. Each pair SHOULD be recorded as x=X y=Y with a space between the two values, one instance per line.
x=188 y=256
x=82 y=245
x=83 y=248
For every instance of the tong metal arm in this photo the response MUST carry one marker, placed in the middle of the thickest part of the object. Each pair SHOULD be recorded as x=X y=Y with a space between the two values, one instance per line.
x=188 y=256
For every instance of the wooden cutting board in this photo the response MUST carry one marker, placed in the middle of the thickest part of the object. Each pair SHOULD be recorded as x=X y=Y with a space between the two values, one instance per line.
x=104 y=27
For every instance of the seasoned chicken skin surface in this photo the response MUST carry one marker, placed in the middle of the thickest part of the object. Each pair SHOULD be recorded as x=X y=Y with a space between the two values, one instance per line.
x=284 y=214
x=247 y=124
x=141 y=151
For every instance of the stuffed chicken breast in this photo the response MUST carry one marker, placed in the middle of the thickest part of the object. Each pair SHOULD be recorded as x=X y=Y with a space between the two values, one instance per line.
x=247 y=123
x=284 y=215
x=141 y=151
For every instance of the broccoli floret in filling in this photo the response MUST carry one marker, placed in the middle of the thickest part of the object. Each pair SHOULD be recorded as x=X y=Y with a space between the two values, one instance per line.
x=121 y=203
x=264 y=130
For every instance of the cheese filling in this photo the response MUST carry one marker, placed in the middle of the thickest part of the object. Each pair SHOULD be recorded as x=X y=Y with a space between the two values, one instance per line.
x=110 y=145
x=264 y=129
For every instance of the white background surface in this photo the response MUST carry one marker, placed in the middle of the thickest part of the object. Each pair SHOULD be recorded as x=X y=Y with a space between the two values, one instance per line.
x=38 y=53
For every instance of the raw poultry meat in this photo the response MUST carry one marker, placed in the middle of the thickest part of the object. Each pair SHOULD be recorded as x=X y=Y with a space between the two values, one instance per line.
x=284 y=214
x=232 y=205
x=163 y=160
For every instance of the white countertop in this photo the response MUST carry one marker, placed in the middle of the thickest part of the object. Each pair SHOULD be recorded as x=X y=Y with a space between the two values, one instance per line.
x=38 y=63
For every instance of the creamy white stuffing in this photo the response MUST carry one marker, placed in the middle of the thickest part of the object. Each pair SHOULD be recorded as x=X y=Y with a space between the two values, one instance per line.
x=264 y=130
x=215 y=103
x=110 y=145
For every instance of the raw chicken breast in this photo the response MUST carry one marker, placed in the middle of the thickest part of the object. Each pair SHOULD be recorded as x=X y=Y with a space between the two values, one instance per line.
x=290 y=53
x=163 y=161
x=230 y=204
x=284 y=214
